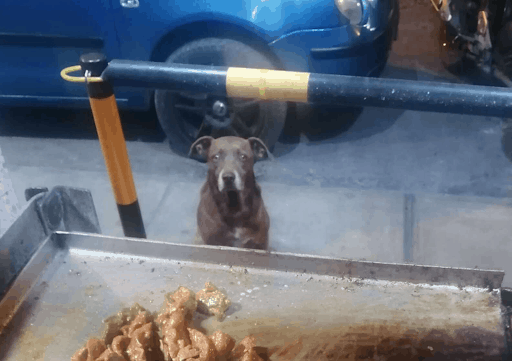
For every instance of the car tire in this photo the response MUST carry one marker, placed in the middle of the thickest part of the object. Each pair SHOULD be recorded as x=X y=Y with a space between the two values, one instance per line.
x=182 y=115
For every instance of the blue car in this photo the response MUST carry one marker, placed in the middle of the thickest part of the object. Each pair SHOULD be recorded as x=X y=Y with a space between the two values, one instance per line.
x=38 y=39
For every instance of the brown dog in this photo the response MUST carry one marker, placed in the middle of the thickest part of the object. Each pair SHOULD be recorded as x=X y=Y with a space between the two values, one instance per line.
x=231 y=210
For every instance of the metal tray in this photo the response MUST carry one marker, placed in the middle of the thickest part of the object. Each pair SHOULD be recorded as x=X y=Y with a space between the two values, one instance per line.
x=74 y=281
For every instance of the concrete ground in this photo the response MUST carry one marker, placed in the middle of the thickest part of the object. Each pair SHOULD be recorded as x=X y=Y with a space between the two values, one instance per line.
x=381 y=184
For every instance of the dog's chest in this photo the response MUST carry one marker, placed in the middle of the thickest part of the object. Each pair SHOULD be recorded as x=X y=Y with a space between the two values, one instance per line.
x=238 y=233
x=241 y=237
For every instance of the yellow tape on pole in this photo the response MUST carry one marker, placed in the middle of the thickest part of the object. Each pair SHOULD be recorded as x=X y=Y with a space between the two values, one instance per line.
x=267 y=84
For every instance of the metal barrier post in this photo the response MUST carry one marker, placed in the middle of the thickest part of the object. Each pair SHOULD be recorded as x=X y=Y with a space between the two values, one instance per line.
x=113 y=145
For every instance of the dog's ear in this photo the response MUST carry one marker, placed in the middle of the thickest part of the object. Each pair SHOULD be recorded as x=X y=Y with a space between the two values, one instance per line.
x=259 y=149
x=200 y=148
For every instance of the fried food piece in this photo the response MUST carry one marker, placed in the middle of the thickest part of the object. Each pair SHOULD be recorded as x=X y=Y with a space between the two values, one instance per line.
x=141 y=341
x=174 y=331
x=184 y=299
x=114 y=324
x=133 y=335
x=246 y=350
x=91 y=351
x=174 y=338
x=141 y=319
x=120 y=345
x=202 y=343
x=248 y=342
x=110 y=355
x=188 y=352
x=212 y=301
x=179 y=310
x=176 y=319
x=222 y=342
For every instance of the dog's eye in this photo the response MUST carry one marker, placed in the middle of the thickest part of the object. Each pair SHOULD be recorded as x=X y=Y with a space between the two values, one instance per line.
x=243 y=157
x=216 y=157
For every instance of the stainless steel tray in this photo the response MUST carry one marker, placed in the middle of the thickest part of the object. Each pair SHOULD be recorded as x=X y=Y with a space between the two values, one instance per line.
x=74 y=281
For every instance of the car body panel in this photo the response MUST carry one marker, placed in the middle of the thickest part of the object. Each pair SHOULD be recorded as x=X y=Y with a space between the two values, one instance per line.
x=39 y=40
x=361 y=63
x=36 y=40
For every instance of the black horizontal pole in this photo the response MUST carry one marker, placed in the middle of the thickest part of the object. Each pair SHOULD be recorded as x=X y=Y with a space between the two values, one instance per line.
x=176 y=77
x=313 y=88
x=411 y=95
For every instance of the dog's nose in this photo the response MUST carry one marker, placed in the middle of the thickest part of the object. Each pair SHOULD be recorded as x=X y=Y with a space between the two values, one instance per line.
x=228 y=178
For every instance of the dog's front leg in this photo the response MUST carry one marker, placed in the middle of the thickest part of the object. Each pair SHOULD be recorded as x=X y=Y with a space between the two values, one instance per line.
x=255 y=239
x=252 y=244
x=215 y=235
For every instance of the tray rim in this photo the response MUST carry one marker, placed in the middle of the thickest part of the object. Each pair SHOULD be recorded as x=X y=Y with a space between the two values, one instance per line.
x=490 y=279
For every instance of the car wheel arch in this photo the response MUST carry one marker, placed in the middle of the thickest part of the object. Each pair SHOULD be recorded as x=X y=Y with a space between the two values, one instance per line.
x=179 y=36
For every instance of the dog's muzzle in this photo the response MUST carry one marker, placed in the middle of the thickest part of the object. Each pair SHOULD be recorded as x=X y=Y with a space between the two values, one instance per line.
x=229 y=180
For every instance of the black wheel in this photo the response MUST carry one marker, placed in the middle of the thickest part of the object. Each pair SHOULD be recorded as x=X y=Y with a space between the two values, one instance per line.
x=185 y=117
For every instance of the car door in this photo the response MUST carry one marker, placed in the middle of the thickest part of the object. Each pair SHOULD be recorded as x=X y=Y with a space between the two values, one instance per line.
x=40 y=38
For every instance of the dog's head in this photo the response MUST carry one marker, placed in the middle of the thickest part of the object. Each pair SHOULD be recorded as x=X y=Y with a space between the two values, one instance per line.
x=230 y=159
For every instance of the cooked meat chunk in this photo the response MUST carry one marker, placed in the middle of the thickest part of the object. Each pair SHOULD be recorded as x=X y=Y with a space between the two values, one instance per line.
x=184 y=299
x=212 y=301
x=144 y=344
x=202 y=343
x=188 y=352
x=175 y=334
x=222 y=342
x=141 y=319
x=139 y=340
x=251 y=356
x=92 y=350
x=114 y=324
x=133 y=334
x=248 y=342
x=175 y=319
x=179 y=310
x=110 y=355
x=120 y=345
x=245 y=351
